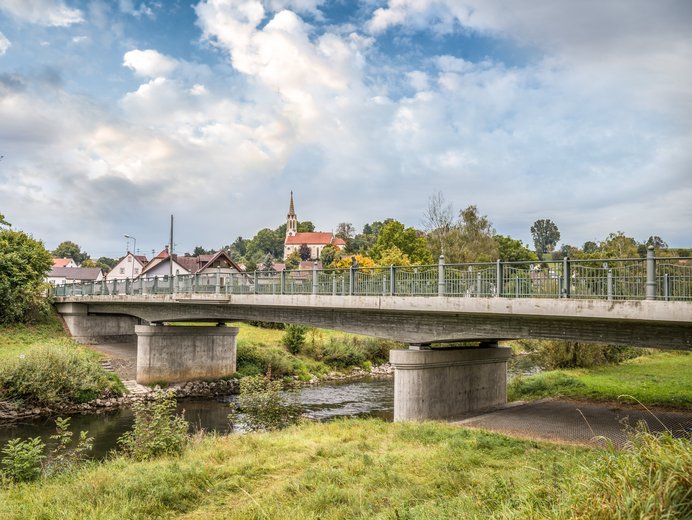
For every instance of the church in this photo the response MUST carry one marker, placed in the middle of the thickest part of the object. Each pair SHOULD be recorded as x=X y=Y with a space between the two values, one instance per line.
x=315 y=240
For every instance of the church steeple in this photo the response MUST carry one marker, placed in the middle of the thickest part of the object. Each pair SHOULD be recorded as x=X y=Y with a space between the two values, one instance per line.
x=291 y=220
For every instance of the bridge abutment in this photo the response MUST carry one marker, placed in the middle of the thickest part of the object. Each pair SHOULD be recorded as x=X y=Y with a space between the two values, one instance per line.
x=447 y=383
x=97 y=328
x=171 y=354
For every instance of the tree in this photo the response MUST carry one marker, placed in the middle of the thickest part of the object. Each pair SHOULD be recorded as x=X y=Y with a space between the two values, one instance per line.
x=589 y=247
x=345 y=262
x=238 y=248
x=439 y=223
x=413 y=245
x=476 y=237
x=24 y=263
x=365 y=240
x=545 y=235
x=329 y=253
x=617 y=245
x=110 y=262
x=393 y=256
x=3 y=222
x=71 y=250
x=657 y=242
x=199 y=250
x=345 y=230
x=268 y=264
x=304 y=252
x=512 y=250
x=293 y=260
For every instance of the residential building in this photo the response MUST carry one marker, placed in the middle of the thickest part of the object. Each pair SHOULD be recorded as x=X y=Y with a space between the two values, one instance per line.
x=130 y=266
x=64 y=262
x=62 y=275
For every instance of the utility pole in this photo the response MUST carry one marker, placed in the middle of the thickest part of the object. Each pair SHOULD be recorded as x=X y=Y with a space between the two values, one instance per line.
x=170 y=249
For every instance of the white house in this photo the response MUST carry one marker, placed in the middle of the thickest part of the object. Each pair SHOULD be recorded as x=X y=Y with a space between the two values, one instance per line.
x=130 y=266
x=64 y=262
x=218 y=263
x=62 y=275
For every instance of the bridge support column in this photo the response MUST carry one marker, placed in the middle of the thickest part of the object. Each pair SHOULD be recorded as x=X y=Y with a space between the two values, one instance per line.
x=166 y=353
x=97 y=328
x=449 y=382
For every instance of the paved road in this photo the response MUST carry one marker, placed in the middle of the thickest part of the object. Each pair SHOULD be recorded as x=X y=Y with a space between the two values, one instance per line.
x=577 y=422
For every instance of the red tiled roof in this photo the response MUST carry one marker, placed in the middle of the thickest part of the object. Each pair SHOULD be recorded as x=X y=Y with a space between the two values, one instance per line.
x=316 y=238
x=338 y=241
x=61 y=262
x=142 y=259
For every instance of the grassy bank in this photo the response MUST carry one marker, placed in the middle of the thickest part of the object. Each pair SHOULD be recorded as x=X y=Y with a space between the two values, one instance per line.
x=365 y=469
x=663 y=378
x=41 y=366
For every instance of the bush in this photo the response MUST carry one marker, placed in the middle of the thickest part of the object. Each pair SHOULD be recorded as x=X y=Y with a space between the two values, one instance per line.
x=254 y=360
x=56 y=375
x=551 y=355
x=157 y=429
x=294 y=338
x=64 y=455
x=651 y=479
x=542 y=385
x=21 y=459
x=262 y=405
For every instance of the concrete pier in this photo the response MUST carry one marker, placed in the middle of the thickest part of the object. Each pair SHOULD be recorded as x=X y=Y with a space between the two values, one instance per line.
x=97 y=328
x=447 y=383
x=174 y=354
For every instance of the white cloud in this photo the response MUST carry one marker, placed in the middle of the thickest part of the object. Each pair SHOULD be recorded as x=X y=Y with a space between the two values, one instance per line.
x=144 y=9
x=43 y=12
x=4 y=44
x=149 y=63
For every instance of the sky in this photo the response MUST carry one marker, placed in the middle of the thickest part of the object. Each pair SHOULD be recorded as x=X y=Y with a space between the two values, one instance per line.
x=115 y=114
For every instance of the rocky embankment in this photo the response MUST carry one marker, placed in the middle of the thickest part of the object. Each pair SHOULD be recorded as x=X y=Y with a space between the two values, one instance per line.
x=11 y=411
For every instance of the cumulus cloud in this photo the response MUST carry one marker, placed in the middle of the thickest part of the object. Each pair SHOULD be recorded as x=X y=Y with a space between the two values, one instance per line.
x=4 y=44
x=43 y=12
x=149 y=62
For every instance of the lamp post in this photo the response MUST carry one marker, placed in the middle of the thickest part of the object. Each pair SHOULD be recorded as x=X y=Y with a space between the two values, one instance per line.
x=134 y=252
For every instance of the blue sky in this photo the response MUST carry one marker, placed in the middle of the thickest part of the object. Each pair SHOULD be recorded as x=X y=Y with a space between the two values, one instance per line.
x=115 y=114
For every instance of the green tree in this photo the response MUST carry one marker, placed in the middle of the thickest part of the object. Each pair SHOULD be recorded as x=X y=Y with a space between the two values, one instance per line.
x=262 y=406
x=71 y=250
x=512 y=250
x=589 y=247
x=110 y=262
x=199 y=250
x=265 y=242
x=657 y=242
x=293 y=260
x=304 y=252
x=362 y=242
x=408 y=240
x=393 y=256
x=268 y=264
x=545 y=235
x=24 y=263
x=617 y=245
x=238 y=248
x=345 y=230
x=3 y=222
x=476 y=237
x=329 y=254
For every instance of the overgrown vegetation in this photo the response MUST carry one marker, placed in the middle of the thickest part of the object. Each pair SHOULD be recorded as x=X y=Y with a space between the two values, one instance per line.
x=262 y=406
x=371 y=469
x=158 y=430
x=555 y=354
x=663 y=378
x=25 y=460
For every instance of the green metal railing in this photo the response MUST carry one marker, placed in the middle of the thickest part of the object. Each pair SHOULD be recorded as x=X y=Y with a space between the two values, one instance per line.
x=647 y=278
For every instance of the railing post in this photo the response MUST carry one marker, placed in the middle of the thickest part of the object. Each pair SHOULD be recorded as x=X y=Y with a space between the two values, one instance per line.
x=610 y=284
x=314 y=278
x=565 y=277
x=666 y=287
x=127 y=286
x=115 y=287
x=650 y=273
x=171 y=282
x=498 y=278
x=479 y=285
x=217 y=289
x=351 y=280
x=156 y=285
x=384 y=284
x=441 y=286
x=333 y=284
x=282 y=288
x=392 y=280
x=256 y=277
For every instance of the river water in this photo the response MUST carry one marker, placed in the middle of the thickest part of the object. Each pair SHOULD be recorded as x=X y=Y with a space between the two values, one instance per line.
x=366 y=397
x=369 y=397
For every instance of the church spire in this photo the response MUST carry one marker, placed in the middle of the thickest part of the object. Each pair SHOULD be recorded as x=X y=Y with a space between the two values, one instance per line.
x=291 y=220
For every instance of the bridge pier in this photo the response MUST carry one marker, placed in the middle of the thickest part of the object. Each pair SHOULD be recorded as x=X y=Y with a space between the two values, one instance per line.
x=447 y=383
x=97 y=328
x=171 y=354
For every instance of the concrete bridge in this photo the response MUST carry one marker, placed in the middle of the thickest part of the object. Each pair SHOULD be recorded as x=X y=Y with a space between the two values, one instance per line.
x=423 y=306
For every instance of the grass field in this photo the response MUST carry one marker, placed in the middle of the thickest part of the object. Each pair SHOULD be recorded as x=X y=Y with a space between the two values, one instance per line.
x=18 y=339
x=663 y=378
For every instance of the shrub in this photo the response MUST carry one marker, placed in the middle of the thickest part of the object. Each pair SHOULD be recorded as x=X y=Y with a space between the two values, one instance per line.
x=551 y=355
x=55 y=375
x=262 y=405
x=294 y=338
x=651 y=479
x=64 y=455
x=21 y=459
x=157 y=429
x=255 y=360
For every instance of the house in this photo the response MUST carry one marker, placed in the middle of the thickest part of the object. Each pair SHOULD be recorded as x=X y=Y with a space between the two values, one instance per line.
x=219 y=262
x=64 y=262
x=315 y=240
x=130 y=266
x=62 y=275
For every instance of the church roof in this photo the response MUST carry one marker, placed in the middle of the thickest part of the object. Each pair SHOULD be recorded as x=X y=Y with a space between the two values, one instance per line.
x=311 y=238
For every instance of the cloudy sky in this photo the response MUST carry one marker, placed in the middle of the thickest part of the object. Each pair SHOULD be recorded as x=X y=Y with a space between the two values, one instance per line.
x=116 y=113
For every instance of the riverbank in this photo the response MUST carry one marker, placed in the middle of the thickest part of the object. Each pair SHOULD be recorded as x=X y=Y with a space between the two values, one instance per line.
x=662 y=379
x=364 y=469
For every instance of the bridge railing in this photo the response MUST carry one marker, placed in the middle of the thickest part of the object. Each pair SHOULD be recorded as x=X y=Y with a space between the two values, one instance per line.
x=649 y=278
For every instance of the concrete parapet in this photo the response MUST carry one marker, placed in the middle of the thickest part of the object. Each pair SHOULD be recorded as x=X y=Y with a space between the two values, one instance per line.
x=173 y=354
x=447 y=383
x=97 y=328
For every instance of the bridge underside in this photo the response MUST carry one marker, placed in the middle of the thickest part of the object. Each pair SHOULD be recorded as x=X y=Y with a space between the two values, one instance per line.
x=427 y=322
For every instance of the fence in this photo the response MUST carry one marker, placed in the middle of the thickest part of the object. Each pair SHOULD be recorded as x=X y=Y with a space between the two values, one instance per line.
x=647 y=278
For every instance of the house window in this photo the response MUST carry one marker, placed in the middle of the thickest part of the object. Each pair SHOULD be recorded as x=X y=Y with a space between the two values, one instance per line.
x=136 y=270
x=122 y=270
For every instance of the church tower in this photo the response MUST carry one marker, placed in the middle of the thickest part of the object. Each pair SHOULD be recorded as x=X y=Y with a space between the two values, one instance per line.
x=292 y=220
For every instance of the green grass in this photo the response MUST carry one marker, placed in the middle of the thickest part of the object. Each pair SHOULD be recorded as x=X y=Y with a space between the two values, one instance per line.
x=664 y=378
x=342 y=469
x=18 y=339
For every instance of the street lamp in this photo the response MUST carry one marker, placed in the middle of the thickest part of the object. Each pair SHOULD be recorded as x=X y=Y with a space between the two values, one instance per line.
x=134 y=252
